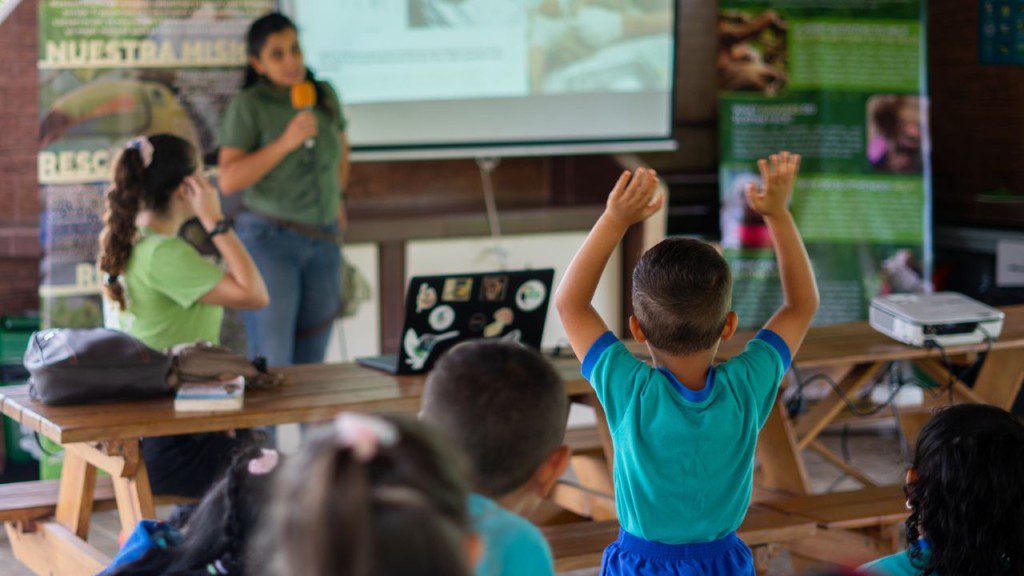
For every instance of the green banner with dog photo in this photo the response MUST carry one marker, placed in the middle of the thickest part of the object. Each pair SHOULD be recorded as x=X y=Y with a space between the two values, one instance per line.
x=843 y=83
x=110 y=70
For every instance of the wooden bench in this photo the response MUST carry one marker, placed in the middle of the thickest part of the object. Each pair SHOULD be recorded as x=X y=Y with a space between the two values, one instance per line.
x=29 y=501
x=580 y=545
x=855 y=526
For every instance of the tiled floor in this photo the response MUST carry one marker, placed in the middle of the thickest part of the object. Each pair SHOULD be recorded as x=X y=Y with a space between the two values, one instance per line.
x=875 y=450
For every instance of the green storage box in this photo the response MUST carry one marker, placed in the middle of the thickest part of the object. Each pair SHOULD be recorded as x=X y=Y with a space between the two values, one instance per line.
x=15 y=332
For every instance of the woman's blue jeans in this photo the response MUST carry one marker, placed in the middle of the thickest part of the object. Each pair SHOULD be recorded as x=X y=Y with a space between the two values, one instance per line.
x=303 y=276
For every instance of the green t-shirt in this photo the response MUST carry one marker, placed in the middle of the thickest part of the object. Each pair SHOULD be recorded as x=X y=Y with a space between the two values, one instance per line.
x=164 y=281
x=304 y=186
x=684 y=459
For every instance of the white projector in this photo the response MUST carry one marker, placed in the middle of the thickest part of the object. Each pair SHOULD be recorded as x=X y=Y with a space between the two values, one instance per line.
x=945 y=318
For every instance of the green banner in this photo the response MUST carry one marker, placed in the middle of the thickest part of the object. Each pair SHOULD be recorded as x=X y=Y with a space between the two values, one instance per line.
x=110 y=70
x=841 y=83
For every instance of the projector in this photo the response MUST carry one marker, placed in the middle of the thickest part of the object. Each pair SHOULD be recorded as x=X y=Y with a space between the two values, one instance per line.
x=943 y=318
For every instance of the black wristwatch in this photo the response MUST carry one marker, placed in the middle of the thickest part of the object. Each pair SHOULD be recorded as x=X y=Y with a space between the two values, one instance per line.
x=222 y=226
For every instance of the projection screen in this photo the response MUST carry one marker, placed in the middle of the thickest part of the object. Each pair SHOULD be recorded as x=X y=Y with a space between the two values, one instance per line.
x=477 y=78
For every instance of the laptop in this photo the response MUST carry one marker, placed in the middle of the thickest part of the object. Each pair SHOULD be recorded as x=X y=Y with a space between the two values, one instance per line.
x=442 y=311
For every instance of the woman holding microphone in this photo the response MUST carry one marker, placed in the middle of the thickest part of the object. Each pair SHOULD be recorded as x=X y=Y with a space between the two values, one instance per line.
x=291 y=161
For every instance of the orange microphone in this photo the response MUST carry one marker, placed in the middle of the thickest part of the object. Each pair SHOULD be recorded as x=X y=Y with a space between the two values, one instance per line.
x=304 y=98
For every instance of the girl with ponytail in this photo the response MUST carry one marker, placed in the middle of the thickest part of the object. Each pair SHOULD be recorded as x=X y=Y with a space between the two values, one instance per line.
x=369 y=496
x=215 y=537
x=165 y=293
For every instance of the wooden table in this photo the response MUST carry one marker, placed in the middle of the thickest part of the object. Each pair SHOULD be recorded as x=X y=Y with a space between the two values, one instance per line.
x=106 y=437
x=859 y=353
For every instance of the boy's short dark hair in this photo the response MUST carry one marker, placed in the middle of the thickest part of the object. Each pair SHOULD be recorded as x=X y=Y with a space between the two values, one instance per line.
x=503 y=404
x=682 y=292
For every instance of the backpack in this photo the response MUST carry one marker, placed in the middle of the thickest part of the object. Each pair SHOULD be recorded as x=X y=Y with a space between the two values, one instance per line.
x=77 y=366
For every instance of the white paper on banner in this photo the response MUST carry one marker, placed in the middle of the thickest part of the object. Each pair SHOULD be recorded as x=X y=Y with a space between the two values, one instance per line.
x=1010 y=263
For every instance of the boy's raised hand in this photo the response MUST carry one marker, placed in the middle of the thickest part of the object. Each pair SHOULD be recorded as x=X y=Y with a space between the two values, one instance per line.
x=777 y=177
x=634 y=200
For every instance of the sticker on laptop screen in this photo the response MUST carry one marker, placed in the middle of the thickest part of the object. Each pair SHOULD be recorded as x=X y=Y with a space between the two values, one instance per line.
x=494 y=288
x=502 y=317
x=457 y=290
x=477 y=322
x=441 y=318
x=531 y=295
x=426 y=298
x=418 y=348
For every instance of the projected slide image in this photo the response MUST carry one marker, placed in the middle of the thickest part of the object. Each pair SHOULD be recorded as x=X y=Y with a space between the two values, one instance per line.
x=500 y=73
x=416 y=50
x=600 y=46
x=465 y=13
x=752 y=51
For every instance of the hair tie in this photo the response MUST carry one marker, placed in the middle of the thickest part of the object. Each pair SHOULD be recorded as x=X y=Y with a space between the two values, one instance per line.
x=396 y=496
x=265 y=464
x=111 y=279
x=364 y=434
x=144 y=147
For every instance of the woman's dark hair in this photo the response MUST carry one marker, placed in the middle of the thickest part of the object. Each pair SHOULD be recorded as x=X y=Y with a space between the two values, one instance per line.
x=137 y=186
x=968 y=498
x=401 y=511
x=217 y=532
x=256 y=37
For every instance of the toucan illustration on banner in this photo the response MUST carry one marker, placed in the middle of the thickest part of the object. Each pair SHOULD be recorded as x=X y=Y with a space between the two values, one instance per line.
x=117 y=109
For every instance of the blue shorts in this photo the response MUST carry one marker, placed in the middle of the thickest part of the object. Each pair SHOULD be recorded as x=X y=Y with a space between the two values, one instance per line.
x=728 y=556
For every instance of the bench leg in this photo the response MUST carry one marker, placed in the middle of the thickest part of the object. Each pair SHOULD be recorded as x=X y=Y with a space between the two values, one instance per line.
x=77 y=485
x=49 y=548
x=123 y=461
x=132 y=489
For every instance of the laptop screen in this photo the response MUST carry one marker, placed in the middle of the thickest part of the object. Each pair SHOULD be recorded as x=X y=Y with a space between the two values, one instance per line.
x=441 y=311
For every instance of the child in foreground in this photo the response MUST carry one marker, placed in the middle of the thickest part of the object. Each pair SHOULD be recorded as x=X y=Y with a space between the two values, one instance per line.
x=684 y=430
x=215 y=537
x=506 y=407
x=965 y=491
x=369 y=496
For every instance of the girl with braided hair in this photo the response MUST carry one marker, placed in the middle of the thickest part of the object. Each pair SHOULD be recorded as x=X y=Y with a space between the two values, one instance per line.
x=214 y=539
x=369 y=496
x=165 y=292
x=966 y=496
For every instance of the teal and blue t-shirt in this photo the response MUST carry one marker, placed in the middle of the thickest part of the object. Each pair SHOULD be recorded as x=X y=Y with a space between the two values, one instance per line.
x=684 y=459
x=512 y=545
x=906 y=563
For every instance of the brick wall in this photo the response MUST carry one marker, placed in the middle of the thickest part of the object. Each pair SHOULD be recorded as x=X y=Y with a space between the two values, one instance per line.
x=19 y=191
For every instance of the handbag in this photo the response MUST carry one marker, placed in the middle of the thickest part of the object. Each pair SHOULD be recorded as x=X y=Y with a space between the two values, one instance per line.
x=76 y=366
